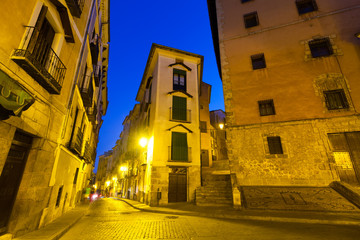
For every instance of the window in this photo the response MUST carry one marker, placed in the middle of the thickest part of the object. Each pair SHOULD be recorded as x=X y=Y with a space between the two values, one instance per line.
x=320 y=47
x=179 y=148
x=336 y=99
x=244 y=1
x=59 y=196
x=258 y=61
x=76 y=175
x=203 y=127
x=251 y=20
x=179 y=80
x=266 y=107
x=274 y=145
x=306 y=6
x=179 y=109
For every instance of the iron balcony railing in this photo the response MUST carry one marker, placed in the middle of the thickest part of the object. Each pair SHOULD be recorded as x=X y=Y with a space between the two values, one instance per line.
x=75 y=6
x=180 y=114
x=92 y=113
x=76 y=143
x=97 y=75
x=89 y=153
x=179 y=154
x=87 y=90
x=40 y=62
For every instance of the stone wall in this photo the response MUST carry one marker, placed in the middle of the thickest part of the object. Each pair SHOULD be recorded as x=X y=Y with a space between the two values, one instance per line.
x=307 y=159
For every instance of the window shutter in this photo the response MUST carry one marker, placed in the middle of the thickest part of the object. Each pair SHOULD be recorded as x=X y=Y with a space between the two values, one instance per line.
x=179 y=108
x=179 y=148
x=38 y=26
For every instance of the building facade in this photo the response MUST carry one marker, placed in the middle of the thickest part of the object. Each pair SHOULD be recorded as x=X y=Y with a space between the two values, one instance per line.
x=165 y=167
x=292 y=97
x=53 y=95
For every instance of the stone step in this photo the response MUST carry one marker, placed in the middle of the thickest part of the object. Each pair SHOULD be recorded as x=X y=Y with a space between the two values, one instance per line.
x=221 y=165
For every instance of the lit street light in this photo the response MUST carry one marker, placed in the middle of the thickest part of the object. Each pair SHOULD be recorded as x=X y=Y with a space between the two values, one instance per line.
x=143 y=142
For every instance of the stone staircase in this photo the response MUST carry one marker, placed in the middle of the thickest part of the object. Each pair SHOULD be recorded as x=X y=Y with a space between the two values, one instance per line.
x=216 y=189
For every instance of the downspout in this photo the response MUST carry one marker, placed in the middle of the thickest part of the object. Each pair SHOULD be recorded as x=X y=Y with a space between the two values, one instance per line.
x=78 y=67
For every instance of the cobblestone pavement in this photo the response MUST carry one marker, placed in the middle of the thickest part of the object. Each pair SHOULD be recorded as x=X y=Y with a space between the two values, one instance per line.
x=113 y=219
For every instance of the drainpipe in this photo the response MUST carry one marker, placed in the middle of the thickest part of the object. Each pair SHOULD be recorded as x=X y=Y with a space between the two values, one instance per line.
x=78 y=66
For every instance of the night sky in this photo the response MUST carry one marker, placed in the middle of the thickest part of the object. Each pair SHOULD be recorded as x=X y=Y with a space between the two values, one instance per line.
x=134 y=26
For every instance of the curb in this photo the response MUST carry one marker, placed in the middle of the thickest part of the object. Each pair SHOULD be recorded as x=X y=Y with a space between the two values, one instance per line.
x=252 y=218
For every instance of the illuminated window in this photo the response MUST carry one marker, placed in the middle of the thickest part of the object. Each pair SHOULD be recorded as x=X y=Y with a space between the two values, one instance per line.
x=251 y=20
x=320 y=47
x=266 y=107
x=336 y=99
x=306 y=6
x=258 y=61
x=274 y=145
x=179 y=80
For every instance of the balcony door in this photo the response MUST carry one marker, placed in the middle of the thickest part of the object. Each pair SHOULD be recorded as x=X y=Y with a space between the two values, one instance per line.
x=42 y=39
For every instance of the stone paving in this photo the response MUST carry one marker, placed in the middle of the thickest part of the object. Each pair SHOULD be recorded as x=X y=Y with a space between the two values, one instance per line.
x=296 y=198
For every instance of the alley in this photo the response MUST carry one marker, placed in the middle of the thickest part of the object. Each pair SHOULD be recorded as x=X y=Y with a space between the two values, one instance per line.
x=114 y=219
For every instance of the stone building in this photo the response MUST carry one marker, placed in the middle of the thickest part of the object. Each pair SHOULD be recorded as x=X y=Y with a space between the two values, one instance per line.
x=292 y=96
x=53 y=62
x=165 y=167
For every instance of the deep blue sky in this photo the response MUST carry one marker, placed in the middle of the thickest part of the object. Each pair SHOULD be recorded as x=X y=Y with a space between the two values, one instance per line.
x=134 y=26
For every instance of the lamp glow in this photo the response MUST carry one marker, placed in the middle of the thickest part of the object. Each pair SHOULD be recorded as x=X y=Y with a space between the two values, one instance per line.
x=123 y=169
x=221 y=126
x=107 y=183
x=143 y=142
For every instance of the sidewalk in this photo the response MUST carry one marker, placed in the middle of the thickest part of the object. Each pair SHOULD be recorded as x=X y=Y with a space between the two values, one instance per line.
x=58 y=227
x=312 y=217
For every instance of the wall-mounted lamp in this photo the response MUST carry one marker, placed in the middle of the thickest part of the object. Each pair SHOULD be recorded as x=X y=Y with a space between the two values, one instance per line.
x=357 y=35
x=221 y=126
x=143 y=142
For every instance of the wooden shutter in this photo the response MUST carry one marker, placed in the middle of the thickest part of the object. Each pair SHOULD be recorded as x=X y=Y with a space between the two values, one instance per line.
x=38 y=25
x=179 y=108
x=179 y=148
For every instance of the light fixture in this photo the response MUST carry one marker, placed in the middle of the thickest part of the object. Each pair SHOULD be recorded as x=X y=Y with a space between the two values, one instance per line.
x=107 y=183
x=357 y=35
x=123 y=169
x=143 y=142
x=221 y=126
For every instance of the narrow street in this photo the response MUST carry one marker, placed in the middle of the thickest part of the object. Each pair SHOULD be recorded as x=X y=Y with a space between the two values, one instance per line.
x=115 y=219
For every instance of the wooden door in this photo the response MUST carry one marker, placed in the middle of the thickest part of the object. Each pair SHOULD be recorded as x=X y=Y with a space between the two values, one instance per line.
x=204 y=158
x=346 y=151
x=177 y=187
x=11 y=176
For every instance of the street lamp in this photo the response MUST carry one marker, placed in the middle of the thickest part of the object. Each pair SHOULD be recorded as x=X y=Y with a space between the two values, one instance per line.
x=143 y=142
x=221 y=126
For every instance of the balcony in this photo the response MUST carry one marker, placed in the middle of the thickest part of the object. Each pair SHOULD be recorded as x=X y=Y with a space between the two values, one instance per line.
x=89 y=153
x=87 y=90
x=75 y=6
x=179 y=154
x=180 y=115
x=97 y=75
x=94 y=50
x=76 y=141
x=40 y=62
x=92 y=113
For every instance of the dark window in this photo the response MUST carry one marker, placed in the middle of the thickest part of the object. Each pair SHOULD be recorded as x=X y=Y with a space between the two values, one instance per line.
x=244 y=1
x=59 y=196
x=251 y=20
x=275 y=145
x=76 y=175
x=203 y=127
x=258 y=61
x=179 y=108
x=305 y=6
x=336 y=99
x=266 y=107
x=179 y=80
x=320 y=47
x=179 y=148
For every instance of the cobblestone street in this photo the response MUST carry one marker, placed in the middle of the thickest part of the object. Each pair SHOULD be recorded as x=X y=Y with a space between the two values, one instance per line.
x=114 y=219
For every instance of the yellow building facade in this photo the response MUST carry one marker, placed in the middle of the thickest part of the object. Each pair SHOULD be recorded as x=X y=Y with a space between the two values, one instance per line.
x=290 y=78
x=53 y=83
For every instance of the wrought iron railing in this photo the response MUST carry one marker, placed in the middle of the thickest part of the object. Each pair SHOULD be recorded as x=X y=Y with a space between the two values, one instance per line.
x=76 y=143
x=87 y=90
x=179 y=114
x=179 y=154
x=42 y=59
x=92 y=113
